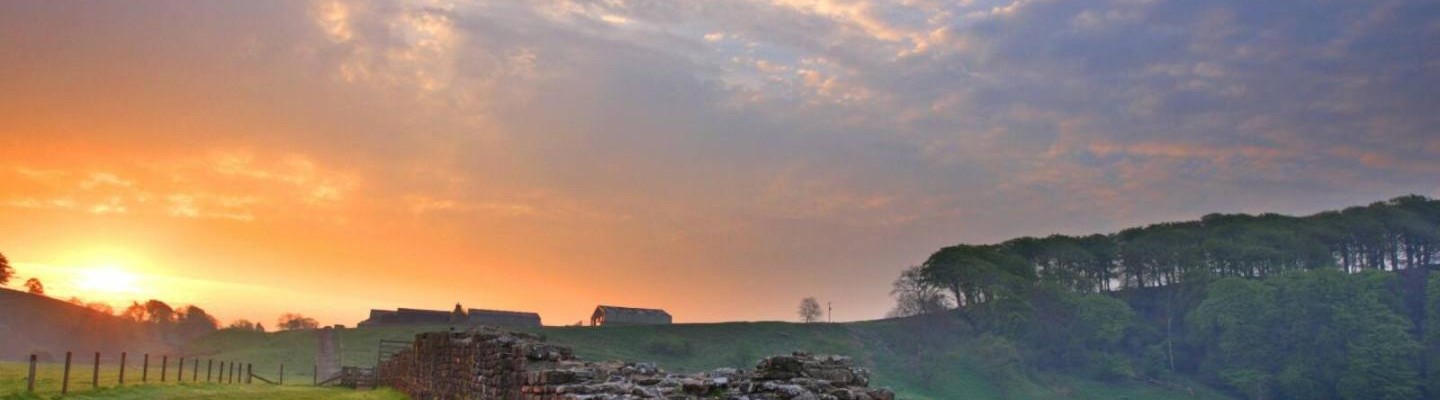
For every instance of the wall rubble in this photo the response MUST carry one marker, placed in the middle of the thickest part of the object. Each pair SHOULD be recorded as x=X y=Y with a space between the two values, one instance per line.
x=492 y=364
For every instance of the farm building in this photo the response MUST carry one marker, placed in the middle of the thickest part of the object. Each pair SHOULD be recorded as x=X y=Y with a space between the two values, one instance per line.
x=612 y=316
x=503 y=318
x=459 y=316
x=406 y=316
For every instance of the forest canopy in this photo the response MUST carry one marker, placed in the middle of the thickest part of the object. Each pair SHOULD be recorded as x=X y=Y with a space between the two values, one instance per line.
x=1335 y=305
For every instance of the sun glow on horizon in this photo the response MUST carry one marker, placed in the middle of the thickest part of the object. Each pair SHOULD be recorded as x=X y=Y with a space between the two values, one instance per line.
x=110 y=274
x=111 y=279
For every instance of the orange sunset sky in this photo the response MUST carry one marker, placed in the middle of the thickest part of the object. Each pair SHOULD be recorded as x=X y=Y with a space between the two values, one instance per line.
x=721 y=160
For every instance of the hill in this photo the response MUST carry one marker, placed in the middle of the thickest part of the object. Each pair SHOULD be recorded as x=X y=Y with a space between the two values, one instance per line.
x=955 y=369
x=50 y=327
x=1336 y=305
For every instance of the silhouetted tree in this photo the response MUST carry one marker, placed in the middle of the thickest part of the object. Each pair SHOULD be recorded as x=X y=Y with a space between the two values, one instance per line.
x=194 y=322
x=976 y=274
x=5 y=270
x=458 y=315
x=810 y=310
x=1400 y=233
x=159 y=313
x=100 y=307
x=135 y=312
x=293 y=321
x=33 y=286
x=915 y=297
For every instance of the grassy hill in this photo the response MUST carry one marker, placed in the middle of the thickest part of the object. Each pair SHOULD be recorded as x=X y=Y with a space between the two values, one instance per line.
x=47 y=386
x=50 y=327
x=886 y=347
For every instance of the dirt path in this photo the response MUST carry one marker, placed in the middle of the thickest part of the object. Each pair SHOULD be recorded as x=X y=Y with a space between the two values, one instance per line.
x=327 y=358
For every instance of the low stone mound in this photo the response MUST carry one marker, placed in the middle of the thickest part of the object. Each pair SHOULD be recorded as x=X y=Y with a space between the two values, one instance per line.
x=493 y=364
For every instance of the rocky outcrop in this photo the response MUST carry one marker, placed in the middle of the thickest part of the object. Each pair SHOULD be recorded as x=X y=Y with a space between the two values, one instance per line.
x=502 y=365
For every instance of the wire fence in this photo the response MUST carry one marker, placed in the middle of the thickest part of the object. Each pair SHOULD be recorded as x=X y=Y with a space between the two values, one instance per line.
x=110 y=371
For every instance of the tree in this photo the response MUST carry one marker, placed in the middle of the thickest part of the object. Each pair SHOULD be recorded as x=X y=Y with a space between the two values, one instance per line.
x=33 y=286
x=135 y=312
x=977 y=274
x=259 y=327
x=241 y=324
x=194 y=322
x=1101 y=320
x=914 y=296
x=159 y=313
x=1381 y=364
x=5 y=271
x=810 y=310
x=458 y=315
x=293 y=321
x=100 y=307
x=1235 y=325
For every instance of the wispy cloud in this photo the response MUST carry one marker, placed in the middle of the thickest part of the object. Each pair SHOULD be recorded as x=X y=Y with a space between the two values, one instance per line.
x=761 y=137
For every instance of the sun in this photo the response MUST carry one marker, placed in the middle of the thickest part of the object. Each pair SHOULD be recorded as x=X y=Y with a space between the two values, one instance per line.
x=111 y=279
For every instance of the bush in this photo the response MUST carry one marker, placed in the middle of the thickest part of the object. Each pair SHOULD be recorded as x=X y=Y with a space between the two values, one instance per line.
x=999 y=361
x=1111 y=368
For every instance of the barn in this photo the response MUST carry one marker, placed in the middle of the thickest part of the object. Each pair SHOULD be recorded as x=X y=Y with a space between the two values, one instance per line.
x=517 y=319
x=406 y=316
x=458 y=316
x=617 y=316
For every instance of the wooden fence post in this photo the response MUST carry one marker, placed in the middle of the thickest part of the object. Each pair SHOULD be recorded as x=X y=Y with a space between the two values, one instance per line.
x=30 y=382
x=194 y=370
x=315 y=375
x=65 y=381
x=282 y=374
x=232 y=372
x=145 y=371
x=180 y=370
x=122 y=368
x=220 y=378
x=164 y=366
x=95 y=375
x=250 y=372
x=209 y=365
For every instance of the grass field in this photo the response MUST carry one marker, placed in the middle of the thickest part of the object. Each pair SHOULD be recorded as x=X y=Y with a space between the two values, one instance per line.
x=885 y=347
x=49 y=376
x=696 y=347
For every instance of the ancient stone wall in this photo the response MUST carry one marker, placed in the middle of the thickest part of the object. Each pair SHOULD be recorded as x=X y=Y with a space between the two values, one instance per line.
x=490 y=364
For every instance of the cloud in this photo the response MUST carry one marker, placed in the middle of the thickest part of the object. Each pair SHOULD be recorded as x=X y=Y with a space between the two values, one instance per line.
x=762 y=137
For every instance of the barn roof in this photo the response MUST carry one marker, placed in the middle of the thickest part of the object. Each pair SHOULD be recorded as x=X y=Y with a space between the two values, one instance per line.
x=614 y=310
x=514 y=313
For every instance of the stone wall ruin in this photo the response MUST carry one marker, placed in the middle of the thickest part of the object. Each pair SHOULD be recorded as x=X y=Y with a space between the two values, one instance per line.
x=491 y=364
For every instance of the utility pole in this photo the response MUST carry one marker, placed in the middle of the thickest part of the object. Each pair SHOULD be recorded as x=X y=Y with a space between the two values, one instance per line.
x=829 y=312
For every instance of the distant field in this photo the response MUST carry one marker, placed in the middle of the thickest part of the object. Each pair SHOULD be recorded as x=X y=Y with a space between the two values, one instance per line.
x=48 y=383
x=681 y=347
x=697 y=347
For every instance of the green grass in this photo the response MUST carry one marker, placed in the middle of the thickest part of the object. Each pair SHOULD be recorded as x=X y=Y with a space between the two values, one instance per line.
x=877 y=345
x=49 y=377
x=887 y=348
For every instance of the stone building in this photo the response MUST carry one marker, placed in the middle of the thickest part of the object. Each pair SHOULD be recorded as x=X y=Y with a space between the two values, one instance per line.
x=613 y=316
x=514 y=319
x=459 y=316
x=406 y=316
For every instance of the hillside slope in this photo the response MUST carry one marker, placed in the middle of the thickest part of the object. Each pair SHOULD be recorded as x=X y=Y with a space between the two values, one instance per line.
x=954 y=373
x=50 y=327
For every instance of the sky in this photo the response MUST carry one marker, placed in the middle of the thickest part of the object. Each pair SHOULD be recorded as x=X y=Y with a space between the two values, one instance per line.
x=718 y=159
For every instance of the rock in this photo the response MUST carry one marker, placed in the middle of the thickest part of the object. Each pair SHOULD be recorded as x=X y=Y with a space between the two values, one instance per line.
x=495 y=364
